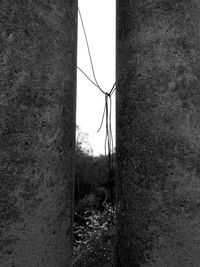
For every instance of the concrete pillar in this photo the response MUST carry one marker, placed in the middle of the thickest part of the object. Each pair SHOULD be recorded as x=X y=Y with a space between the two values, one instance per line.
x=158 y=133
x=37 y=131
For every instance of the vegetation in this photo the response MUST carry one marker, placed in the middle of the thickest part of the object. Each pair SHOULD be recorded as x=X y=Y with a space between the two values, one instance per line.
x=94 y=214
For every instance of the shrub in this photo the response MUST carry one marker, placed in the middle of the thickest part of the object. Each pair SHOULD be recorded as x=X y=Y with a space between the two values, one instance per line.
x=93 y=244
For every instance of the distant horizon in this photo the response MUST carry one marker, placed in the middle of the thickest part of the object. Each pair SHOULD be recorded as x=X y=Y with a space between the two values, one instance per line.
x=85 y=144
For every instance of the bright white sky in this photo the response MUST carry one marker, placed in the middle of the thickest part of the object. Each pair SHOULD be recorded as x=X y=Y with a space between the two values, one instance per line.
x=99 y=20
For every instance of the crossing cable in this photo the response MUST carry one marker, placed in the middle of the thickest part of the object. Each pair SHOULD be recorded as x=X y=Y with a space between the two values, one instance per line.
x=89 y=53
x=107 y=112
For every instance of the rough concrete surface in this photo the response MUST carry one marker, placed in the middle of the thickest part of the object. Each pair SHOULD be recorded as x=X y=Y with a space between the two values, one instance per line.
x=158 y=133
x=37 y=131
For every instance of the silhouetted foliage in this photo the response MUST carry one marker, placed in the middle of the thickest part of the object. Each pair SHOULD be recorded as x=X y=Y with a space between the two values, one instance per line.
x=94 y=228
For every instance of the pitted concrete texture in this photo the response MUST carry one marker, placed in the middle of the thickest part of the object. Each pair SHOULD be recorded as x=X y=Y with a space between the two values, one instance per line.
x=158 y=133
x=37 y=131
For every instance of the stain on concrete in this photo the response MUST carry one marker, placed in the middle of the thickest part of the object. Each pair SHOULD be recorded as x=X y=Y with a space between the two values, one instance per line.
x=158 y=58
x=37 y=131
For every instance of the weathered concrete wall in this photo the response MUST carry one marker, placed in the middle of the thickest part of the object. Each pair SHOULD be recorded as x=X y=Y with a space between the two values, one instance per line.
x=37 y=131
x=158 y=132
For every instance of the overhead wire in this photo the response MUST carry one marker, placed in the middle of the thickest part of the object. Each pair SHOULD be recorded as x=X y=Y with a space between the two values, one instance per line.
x=107 y=112
x=90 y=79
x=88 y=48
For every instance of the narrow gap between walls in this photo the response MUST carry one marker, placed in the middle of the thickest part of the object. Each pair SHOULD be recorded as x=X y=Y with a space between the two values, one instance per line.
x=95 y=138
